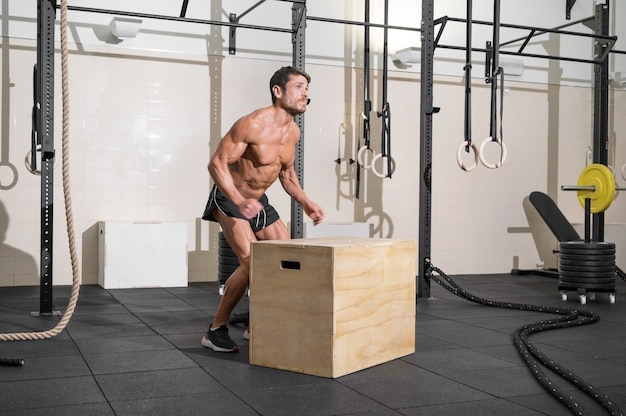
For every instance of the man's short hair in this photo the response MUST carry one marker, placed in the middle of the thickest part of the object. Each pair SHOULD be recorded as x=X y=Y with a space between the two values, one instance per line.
x=282 y=76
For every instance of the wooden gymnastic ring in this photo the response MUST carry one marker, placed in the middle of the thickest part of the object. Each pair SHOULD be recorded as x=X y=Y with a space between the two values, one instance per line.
x=459 y=157
x=380 y=174
x=359 y=156
x=482 y=151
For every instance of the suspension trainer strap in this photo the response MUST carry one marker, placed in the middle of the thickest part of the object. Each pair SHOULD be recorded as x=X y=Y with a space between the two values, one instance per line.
x=496 y=69
x=468 y=79
x=367 y=104
x=384 y=114
x=467 y=144
x=501 y=72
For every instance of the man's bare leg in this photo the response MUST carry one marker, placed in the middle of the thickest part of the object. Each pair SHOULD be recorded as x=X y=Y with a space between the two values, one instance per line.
x=239 y=240
x=239 y=235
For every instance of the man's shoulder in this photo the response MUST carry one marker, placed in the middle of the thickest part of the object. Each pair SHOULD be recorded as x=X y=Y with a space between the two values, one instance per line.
x=260 y=113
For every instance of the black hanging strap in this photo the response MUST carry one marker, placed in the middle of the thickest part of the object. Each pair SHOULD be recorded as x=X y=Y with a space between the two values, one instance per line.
x=385 y=113
x=367 y=104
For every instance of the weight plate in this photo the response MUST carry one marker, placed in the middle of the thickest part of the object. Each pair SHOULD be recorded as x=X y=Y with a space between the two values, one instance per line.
x=587 y=264
x=223 y=244
x=588 y=286
x=230 y=261
x=240 y=318
x=588 y=252
x=602 y=178
x=590 y=245
x=587 y=256
x=223 y=277
x=577 y=268
x=606 y=280
x=223 y=268
x=581 y=258
x=587 y=275
x=226 y=252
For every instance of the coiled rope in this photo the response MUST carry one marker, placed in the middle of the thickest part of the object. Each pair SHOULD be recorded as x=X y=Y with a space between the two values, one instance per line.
x=531 y=354
x=69 y=311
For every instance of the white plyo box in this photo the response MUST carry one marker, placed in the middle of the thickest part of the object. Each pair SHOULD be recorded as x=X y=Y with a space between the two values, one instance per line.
x=142 y=254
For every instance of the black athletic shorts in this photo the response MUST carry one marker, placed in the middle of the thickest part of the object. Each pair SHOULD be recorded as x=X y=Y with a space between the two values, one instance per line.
x=265 y=217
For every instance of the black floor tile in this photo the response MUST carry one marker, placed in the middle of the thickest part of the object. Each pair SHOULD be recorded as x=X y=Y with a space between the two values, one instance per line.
x=492 y=407
x=223 y=404
x=40 y=368
x=398 y=385
x=167 y=323
x=87 y=409
x=310 y=400
x=127 y=362
x=157 y=383
x=36 y=394
x=104 y=345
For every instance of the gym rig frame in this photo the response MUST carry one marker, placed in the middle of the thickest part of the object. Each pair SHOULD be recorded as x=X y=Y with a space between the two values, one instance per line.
x=43 y=120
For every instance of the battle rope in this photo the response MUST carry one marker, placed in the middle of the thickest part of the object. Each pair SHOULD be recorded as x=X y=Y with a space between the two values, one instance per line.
x=531 y=354
x=25 y=336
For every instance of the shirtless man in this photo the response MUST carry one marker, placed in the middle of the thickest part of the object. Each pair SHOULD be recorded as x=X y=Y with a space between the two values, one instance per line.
x=258 y=149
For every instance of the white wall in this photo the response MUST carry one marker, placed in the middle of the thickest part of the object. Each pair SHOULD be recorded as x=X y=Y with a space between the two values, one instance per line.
x=146 y=112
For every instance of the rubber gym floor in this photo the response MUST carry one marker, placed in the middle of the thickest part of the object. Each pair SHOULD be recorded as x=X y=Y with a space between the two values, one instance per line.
x=137 y=351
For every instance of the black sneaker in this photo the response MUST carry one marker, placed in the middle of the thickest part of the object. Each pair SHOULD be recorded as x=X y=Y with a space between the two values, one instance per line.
x=219 y=340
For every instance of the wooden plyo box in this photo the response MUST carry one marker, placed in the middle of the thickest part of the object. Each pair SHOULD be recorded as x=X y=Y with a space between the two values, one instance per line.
x=331 y=306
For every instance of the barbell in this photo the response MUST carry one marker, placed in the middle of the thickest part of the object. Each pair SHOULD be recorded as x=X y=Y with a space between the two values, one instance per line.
x=597 y=183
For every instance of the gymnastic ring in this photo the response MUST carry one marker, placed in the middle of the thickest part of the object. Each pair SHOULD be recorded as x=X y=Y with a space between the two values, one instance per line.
x=29 y=166
x=380 y=174
x=624 y=171
x=482 y=152
x=459 y=157
x=13 y=170
x=359 y=156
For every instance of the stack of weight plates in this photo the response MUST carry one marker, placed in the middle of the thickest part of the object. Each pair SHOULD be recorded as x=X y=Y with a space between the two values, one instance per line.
x=587 y=267
x=227 y=261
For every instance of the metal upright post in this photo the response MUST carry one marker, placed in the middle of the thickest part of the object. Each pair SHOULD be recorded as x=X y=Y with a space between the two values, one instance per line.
x=426 y=134
x=600 y=105
x=46 y=14
x=298 y=21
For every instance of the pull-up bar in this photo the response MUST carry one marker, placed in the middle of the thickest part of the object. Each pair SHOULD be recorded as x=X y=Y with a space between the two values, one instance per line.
x=534 y=31
x=178 y=19
x=357 y=23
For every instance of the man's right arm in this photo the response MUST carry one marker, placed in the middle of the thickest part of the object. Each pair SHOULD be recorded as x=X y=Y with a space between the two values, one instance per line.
x=229 y=151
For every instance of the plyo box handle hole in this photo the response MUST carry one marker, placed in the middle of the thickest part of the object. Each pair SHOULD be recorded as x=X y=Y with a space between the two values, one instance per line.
x=290 y=265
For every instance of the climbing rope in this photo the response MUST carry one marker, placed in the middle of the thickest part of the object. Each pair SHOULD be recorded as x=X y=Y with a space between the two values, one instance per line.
x=531 y=354
x=25 y=336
